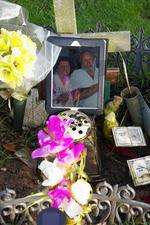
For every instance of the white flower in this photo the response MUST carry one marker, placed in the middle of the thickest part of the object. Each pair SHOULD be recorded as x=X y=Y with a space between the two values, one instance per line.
x=81 y=191
x=72 y=208
x=54 y=173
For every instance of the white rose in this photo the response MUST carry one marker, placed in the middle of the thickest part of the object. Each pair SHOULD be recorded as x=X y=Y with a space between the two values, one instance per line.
x=81 y=191
x=54 y=173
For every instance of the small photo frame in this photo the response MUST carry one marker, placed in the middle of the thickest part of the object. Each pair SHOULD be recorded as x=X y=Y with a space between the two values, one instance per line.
x=140 y=170
x=77 y=78
x=128 y=136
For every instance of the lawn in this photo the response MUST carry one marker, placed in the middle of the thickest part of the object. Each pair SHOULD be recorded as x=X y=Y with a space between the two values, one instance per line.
x=114 y=14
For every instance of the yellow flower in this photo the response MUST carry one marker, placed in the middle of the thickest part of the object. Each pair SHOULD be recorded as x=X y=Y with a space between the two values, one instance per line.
x=109 y=123
x=17 y=57
x=15 y=39
x=4 y=44
x=70 y=221
x=11 y=71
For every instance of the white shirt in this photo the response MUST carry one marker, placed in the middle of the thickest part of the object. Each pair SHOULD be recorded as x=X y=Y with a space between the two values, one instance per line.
x=60 y=88
x=81 y=79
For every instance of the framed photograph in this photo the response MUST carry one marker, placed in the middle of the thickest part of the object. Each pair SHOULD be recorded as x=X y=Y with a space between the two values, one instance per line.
x=77 y=79
x=128 y=136
x=140 y=170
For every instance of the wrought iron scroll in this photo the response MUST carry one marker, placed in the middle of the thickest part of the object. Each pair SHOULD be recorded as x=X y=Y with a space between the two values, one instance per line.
x=110 y=204
x=138 y=60
x=116 y=205
x=140 y=47
x=21 y=211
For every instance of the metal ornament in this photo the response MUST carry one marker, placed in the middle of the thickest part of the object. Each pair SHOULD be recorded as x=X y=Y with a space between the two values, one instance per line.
x=80 y=125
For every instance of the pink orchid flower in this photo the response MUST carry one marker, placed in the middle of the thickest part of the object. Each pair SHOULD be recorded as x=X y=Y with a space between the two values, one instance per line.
x=58 y=196
x=54 y=139
x=71 y=155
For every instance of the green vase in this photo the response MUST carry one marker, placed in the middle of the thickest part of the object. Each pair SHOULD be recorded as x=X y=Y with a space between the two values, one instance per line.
x=18 y=114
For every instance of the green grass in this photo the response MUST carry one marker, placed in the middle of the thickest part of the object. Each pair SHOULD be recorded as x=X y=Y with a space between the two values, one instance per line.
x=40 y=11
x=117 y=15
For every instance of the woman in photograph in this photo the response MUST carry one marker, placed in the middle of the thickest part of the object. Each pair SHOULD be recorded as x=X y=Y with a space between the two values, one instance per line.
x=61 y=84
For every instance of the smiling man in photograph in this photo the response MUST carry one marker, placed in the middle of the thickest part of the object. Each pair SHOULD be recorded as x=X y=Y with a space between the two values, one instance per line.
x=85 y=80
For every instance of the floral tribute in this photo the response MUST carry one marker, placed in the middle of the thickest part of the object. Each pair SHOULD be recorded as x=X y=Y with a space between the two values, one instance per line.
x=63 y=169
x=17 y=57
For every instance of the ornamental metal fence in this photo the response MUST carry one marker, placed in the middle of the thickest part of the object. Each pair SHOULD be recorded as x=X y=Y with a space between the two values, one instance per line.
x=110 y=205
x=137 y=60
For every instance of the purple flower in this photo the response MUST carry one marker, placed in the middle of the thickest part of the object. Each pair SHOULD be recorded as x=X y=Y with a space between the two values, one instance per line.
x=58 y=196
x=52 y=140
x=56 y=127
x=71 y=155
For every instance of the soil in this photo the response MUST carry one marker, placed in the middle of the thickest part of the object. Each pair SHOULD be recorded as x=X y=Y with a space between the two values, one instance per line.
x=115 y=169
x=19 y=177
x=15 y=173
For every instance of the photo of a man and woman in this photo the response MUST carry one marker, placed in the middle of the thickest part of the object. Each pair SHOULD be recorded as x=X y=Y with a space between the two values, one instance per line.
x=75 y=78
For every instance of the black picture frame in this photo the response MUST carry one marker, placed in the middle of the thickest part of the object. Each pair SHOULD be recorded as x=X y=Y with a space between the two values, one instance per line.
x=78 y=43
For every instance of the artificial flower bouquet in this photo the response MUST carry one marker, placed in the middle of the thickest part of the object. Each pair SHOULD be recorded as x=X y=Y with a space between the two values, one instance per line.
x=63 y=169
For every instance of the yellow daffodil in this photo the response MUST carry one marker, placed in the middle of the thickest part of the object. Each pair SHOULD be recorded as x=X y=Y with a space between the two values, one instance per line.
x=15 y=39
x=9 y=74
x=4 y=46
x=17 y=57
x=4 y=43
